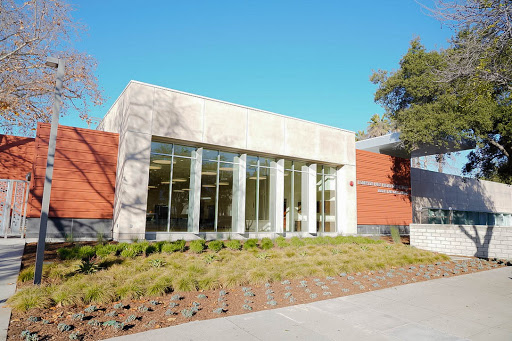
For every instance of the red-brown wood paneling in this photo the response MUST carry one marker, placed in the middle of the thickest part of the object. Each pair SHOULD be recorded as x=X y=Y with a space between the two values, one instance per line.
x=16 y=156
x=383 y=189
x=84 y=173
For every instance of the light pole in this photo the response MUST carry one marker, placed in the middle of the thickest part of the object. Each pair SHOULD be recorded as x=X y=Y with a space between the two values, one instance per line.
x=45 y=203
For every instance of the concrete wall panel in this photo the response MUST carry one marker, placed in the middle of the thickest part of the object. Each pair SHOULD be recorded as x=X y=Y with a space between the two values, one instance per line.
x=225 y=125
x=177 y=116
x=141 y=108
x=265 y=132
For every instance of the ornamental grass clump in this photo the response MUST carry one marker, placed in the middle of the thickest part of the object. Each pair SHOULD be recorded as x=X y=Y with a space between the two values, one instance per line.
x=216 y=245
x=197 y=246
x=233 y=244
x=267 y=244
x=250 y=244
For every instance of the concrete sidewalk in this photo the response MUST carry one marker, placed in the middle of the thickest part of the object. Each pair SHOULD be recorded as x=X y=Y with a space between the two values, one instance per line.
x=11 y=250
x=475 y=306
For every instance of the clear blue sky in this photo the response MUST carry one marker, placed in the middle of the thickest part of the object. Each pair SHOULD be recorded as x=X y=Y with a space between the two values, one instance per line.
x=307 y=59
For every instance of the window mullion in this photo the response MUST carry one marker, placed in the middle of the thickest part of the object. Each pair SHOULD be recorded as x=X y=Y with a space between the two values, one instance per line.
x=323 y=201
x=170 y=192
x=217 y=195
x=257 y=195
x=292 y=204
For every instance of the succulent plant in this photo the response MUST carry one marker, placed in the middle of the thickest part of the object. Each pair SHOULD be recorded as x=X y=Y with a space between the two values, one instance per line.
x=91 y=309
x=62 y=327
x=202 y=296
x=33 y=319
x=131 y=318
x=93 y=322
x=246 y=307
x=118 y=305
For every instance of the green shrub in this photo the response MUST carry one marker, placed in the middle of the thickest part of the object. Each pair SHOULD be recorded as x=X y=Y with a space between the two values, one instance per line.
x=266 y=244
x=395 y=234
x=233 y=244
x=158 y=245
x=129 y=253
x=197 y=245
x=177 y=246
x=281 y=242
x=66 y=253
x=296 y=241
x=86 y=252
x=87 y=267
x=250 y=243
x=106 y=250
x=216 y=245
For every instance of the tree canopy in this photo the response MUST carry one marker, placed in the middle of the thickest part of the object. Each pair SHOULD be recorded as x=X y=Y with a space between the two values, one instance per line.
x=30 y=32
x=461 y=93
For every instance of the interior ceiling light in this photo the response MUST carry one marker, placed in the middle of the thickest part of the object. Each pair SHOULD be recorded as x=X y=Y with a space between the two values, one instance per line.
x=261 y=177
x=226 y=168
x=206 y=198
x=179 y=191
x=151 y=187
x=179 y=180
x=209 y=173
x=209 y=186
x=155 y=167
x=223 y=183
x=162 y=162
x=165 y=182
x=186 y=189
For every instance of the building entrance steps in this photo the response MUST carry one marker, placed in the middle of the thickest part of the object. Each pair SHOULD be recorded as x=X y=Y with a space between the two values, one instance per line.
x=475 y=306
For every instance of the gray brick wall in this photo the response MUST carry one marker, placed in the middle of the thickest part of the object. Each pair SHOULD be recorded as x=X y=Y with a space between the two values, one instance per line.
x=464 y=240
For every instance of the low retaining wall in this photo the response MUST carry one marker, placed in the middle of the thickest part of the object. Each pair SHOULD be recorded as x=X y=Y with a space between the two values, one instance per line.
x=464 y=240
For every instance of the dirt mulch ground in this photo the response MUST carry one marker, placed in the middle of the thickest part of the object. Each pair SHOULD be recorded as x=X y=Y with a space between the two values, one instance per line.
x=168 y=310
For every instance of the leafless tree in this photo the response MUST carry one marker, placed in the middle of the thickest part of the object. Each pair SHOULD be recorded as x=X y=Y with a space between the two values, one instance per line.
x=483 y=40
x=31 y=31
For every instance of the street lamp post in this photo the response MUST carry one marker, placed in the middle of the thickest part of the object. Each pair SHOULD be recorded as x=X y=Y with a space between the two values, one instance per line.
x=45 y=204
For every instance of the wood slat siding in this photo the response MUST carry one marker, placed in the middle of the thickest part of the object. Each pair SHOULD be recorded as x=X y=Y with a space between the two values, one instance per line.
x=16 y=156
x=84 y=173
x=376 y=208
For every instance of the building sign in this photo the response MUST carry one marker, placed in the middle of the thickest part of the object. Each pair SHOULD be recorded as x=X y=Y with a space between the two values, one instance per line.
x=395 y=189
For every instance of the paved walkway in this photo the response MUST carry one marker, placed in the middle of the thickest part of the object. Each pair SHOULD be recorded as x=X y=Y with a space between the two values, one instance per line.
x=475 y=306
x=11 y=250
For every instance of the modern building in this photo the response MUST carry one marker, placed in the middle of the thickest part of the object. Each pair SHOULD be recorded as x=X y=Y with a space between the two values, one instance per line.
x=164 y=164
x=191 y=165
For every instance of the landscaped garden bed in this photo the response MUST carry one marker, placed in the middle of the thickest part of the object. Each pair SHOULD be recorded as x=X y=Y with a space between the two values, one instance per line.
x=99 y=291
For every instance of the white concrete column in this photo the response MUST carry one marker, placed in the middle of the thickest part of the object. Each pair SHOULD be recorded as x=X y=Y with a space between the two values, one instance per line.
x=194 y=195
x=277 y=195
x=346 y=200
x=132 y=186
x=239 y=194
x=309 y=198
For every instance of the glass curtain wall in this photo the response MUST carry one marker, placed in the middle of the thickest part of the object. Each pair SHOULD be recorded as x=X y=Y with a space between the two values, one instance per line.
x=168 y=188
x=217 y=188
x=326 y=199
x=257 y=194
x=293 y=216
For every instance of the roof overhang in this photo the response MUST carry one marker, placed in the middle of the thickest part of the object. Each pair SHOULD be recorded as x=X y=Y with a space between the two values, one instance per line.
x=390 y=144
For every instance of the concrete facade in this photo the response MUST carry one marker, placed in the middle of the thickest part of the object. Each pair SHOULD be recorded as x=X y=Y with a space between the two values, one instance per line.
x=443 y=191
x=144 y=111
x=464 y=240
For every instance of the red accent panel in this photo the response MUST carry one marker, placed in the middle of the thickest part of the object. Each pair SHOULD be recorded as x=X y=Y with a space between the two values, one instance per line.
x=84 y=173
x=383 y=189
x=16 y=156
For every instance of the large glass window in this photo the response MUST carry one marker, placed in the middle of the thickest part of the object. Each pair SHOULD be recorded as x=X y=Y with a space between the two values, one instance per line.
x=326 y=199
x=258 y=194
x=293 y=215
x=168 y=188
x=217 y=188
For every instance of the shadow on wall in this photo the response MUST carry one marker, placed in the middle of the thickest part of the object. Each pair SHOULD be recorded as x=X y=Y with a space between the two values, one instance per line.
x=83 y=180
x=16 y=156
x=445 y=191
x=482 y=246
x=400 y=177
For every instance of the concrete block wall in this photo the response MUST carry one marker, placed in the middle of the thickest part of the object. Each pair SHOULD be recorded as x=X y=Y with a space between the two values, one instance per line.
x=464 y=240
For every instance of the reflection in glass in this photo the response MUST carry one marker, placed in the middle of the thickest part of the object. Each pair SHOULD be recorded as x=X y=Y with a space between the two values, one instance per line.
x=297 y=202
x=250 y=198
x=225 y=208
x=183 y=150
x=180 y=194
x=208 y=192
x=264 y=201
x=329 y=203
x=158 y=193
x=288 y=223
x=319 y=203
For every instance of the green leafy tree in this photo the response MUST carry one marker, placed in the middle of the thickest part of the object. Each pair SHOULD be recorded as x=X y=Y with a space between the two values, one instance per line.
x=429 y=109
